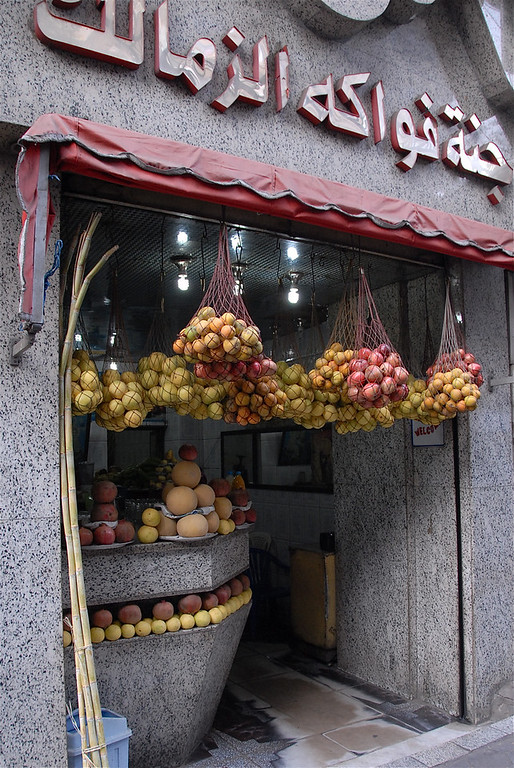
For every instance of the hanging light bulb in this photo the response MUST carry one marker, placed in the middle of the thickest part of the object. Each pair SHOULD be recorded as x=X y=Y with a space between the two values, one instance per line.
x=294 y=294
x=182 y=263
x=183 y=281
x=182 y=237
x=238 y=267
x=292 y=252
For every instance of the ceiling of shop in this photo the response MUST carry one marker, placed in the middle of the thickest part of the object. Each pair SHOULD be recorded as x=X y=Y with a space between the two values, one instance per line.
x=141 y=277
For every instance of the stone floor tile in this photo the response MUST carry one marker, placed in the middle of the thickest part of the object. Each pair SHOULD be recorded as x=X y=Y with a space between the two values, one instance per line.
x=312 y=752
x=404 y=762
x=505 y=726
x=255 y=666
x=310 y=704
x=369 y=735
x=478 y=738
x=437 y=755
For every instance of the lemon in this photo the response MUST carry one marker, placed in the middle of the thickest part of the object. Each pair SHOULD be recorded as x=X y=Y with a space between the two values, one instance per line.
x=148 y=619
x=202 y=618
x=173 y=624
x=232 y=525
x=222 y=610
x=187 y=621
x=158 y=626
x=97 y=634
x=147 y=534
x=216 y=615
x=66 y=638
x=151 y=516
x=143 y=628
x=128 y=630
x=113 y=632
x=224 y=527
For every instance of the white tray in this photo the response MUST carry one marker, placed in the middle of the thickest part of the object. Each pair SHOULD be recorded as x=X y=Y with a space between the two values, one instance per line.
x=188 y=538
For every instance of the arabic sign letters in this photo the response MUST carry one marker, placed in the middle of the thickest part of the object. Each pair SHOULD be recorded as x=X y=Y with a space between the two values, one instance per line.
x=333 y=102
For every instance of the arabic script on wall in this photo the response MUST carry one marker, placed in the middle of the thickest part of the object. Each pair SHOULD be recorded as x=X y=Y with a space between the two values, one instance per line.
x=337 y=104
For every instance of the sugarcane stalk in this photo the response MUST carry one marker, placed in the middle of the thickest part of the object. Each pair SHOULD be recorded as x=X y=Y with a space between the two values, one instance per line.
x=85 y=670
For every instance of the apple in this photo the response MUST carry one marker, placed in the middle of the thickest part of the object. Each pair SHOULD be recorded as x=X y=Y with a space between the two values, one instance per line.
x=238 y=516
x=163 y=610
x=101 y=618
x=104 y=491
x=190 y=604
x=235 y=586
x=245 y=580
x=124 y=531
x=239 y=497
x=188 y=452
x=223 y=593
x=220 y=486
x=104 y=534
x=86 y=536
x=130 y=614
x=102 y=512
x=251 y=515
x=209 y=600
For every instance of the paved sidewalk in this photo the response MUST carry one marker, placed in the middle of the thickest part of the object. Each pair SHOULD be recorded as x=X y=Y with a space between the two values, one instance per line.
x=457 y=745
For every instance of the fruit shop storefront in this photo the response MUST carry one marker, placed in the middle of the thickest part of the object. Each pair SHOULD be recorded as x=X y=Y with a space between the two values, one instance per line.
x=421 y=539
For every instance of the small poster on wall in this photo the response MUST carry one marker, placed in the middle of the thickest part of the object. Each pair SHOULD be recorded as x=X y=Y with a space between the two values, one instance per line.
x=426 y=434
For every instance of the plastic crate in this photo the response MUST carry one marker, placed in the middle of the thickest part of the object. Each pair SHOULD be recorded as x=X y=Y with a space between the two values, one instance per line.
x=116 y=737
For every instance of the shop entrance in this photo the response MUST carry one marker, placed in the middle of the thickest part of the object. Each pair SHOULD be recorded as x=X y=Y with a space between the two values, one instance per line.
x=288 y=469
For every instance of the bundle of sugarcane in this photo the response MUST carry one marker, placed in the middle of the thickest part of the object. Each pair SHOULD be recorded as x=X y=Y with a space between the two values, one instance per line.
x=94 y=750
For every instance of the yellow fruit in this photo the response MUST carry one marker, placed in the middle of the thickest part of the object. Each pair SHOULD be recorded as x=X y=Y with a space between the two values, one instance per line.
x=147 y=534
x=222 y=610
x=151 y=517
x=224 y=527
x=187 y=621
x=97 y=635
x=113 y=632
x=133 y=419
x=173 y=624
x=202 y=618
x=66 y=638
x=232 y=525
x=143 y=628
x=158 y=627
x=128 y=630
x=216 y=615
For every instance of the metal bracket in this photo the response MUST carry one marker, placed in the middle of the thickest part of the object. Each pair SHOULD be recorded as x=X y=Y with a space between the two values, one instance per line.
x=19 y=346
x=500 y=380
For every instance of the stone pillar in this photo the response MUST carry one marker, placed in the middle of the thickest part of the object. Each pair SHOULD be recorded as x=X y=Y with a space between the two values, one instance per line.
x=31 y=655
x=487 y=499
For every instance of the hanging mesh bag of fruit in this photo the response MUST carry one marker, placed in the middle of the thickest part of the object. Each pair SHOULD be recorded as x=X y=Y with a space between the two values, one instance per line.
x=124 y=399
x=454 y=378
x=332 y=368
x=221 y=339
x=86 y=389
x=377 y=376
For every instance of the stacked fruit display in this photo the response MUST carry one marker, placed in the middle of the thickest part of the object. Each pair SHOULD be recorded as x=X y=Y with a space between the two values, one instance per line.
x=222 y=347
x=86 y=390
x=124 y=402
x=187 y=612
x=104 y=527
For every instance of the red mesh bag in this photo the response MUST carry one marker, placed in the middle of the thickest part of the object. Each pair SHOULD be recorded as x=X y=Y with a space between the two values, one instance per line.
x=221 y=339
x=377 y=375
x=452 y=353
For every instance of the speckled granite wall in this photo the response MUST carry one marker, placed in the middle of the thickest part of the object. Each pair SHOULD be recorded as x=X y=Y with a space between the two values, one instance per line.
x=403 y=629
x=426 y=54
x=487 y=498
x=398 y=603
x=31 y=674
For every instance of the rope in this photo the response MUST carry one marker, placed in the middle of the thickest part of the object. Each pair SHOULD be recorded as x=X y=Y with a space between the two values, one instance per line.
x=55 y=266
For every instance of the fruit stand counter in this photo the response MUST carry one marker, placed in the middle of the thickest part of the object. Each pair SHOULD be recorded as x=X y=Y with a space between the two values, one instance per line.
x=143 y=571
x=167 y=686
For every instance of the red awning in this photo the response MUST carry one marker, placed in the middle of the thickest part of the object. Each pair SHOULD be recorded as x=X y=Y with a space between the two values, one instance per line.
x=149 y=162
